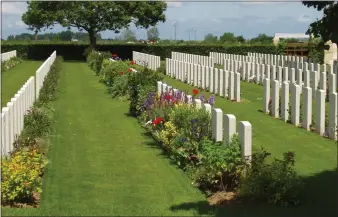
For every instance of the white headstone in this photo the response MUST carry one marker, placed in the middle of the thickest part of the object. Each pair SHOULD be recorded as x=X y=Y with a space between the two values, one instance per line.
x=245 y=138
x=217 y=125
x=229 y=127
x=285 y=101
x=320 y=112
x=307 y=108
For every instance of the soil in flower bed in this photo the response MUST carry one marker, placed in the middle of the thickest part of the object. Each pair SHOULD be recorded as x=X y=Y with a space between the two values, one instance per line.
x=222 y=199
x=34 y=203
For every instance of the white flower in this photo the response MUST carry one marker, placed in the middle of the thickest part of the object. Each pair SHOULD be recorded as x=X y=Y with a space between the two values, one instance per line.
x=149 y=122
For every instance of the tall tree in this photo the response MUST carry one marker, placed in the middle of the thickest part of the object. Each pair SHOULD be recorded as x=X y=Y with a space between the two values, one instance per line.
x=210 y=38
x=94 y=16
x=153 y=33
x=128 y=35
x=66 y=35
x=228 y=37
x=240 y=39
x=36 y=19
x=327 y=27
x=262 y=39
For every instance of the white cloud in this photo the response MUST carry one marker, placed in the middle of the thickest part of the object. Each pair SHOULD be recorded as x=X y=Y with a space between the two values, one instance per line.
x=216 y=20
x=17 y=8
x=20 y=24
x=304 y=18
x=174 y=4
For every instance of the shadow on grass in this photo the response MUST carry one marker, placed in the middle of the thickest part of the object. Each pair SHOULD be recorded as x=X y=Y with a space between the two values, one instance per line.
x=320 y=198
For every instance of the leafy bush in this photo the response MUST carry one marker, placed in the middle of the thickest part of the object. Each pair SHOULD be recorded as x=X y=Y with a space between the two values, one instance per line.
x=276 y=183
x=75 y=51
x=194 y=122
x=110 y=70
x=21 y=176
x=95 y=60
x=38 y=124
x=136 y=82
x=120 y=88
x=162 y=68
x=5 y=65
x=221 y=165
x=87 y=51
x=51 y=83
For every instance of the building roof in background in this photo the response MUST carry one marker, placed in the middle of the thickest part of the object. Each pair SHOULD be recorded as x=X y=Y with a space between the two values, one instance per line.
x=291 y=35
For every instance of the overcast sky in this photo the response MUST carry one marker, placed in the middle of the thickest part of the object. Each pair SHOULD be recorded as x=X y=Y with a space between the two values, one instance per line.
x=242 y=18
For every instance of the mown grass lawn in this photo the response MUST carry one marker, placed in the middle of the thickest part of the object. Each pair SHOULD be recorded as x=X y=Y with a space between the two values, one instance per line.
x=13 y=79
x=102 y=164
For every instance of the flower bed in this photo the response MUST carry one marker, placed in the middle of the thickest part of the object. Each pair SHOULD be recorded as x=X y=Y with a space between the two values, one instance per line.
x=5 y=65
x=22 y=171
x=184 y=131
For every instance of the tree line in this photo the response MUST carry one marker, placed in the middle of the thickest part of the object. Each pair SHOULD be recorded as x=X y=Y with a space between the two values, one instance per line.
x=94 y=17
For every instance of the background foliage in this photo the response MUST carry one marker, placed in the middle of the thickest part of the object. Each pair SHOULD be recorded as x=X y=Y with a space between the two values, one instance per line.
x=74 y=51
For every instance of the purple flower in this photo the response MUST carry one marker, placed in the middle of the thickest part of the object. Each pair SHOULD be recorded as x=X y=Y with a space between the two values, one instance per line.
x=201 y=97
x=211 y=100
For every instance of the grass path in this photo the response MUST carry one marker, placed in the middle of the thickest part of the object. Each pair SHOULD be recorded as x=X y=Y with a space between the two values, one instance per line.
x=102 y=164
x=13 y=79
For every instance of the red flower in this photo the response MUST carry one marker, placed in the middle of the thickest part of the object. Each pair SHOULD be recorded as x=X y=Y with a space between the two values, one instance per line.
x=132 y=62
x=121 y=73
x=167 y=97
x=130 y=70
x=195 y=92
x=157 y=121
x=175 y=101
x=114 y=55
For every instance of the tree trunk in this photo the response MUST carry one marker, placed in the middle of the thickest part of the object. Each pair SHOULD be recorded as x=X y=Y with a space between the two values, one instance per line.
x=36 y=35
x=92 y=39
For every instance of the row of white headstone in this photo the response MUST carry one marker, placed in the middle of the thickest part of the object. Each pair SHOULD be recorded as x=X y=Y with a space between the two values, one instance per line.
x=192 y=58
x=277 y=60
x=273 y=94
x=254 y=71
x=221 y=82
x=6 y=56
x=42 y=72
x=305 y=78
x=12 y=116
x=148 y=60
x=256 y=67
x=270 y=59
x=223 y=127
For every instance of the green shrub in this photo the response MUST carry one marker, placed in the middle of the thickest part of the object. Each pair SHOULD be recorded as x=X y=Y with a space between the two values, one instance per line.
x=21 y=176
x=194 y=122
x=276 y=183
x=146 y=77
x=5 y=65
x=39 y=119
x=110 y=70
x=162 y=68
x=51 y=83
x=76 y=51
x=87 y=51
x=220 y=165
x=95 y=60
x=120 y=88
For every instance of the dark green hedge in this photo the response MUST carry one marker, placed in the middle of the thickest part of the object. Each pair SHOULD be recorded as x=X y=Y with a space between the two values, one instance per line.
x=74 y=51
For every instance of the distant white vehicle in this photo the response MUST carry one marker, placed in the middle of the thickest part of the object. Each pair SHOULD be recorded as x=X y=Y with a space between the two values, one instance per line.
x=130 y=42
x=74 y=39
